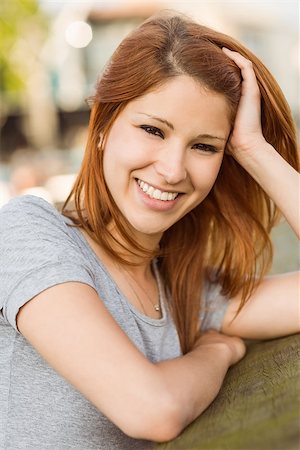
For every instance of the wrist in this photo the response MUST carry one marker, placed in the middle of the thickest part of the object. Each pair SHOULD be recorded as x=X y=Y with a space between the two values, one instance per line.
x=229 y=349
x=253 y=154
x=258 y=160
x=219 y=351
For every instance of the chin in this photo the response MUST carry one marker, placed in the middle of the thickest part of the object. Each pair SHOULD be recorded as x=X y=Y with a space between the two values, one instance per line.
x=148 y=228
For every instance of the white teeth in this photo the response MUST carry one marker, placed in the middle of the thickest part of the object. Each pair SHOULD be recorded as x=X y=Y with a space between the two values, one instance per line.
x=156 y=193
x=150 y=191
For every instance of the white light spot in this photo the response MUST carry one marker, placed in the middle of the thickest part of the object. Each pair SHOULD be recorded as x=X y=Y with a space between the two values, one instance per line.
x=78 y=34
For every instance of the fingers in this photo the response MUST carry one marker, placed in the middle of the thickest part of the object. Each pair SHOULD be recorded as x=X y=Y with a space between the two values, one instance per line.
x=249 y=78
x=247 y=129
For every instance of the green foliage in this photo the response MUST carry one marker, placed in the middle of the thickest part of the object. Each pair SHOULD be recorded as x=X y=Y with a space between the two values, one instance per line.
x=20 y=21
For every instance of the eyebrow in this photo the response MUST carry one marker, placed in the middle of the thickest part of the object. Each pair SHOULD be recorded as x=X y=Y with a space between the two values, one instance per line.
x=169 y=125
x=159 y=120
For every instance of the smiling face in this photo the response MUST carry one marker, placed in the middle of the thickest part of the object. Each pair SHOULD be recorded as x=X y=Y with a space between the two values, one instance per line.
x=163 y=153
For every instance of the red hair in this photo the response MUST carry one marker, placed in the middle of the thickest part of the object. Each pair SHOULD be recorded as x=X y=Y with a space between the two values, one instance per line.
x=228 y=233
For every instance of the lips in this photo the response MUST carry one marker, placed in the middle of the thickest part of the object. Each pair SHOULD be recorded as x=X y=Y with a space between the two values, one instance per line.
x=155 y=193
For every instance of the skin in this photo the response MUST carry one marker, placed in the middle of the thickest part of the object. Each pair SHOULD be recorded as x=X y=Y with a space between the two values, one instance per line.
x=145 y=400
x=153 y=141
x=173 y=160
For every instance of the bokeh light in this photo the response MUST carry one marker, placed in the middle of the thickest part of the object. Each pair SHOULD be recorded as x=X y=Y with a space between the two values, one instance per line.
x=78 y=34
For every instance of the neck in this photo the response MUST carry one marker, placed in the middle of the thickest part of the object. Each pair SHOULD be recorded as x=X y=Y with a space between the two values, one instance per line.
x=138 y=265
x=148 y=242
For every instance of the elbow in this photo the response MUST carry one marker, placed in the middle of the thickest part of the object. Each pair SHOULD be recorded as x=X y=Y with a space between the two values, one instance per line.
x=158 y=422
x=164 y=423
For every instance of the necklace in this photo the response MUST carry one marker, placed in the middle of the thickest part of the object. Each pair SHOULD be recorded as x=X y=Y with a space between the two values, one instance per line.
x=156 y=306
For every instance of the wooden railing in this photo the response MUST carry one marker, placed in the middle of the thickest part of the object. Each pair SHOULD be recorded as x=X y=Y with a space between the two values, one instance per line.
x=258 y=407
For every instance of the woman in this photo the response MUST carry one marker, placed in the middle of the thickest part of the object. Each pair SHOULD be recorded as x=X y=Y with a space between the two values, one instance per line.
x=165 y=235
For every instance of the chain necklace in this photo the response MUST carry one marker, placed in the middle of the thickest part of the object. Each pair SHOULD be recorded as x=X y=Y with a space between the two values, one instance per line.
x=156 y=306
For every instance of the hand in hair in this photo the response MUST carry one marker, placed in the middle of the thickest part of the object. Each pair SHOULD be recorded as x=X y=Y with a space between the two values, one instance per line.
x=247 y=131
x=267 y=313
x=261 y=160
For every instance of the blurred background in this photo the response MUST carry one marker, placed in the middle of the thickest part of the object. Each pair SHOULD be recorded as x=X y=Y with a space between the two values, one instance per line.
x=52 y=53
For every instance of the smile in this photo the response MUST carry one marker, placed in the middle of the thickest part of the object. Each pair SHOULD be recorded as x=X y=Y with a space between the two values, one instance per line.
x=152 y=192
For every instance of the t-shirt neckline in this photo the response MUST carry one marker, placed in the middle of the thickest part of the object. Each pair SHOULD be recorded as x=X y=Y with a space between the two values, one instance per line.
x=150 y=320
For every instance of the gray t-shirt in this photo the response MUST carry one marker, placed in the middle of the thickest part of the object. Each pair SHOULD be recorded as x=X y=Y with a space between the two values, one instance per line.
x=38 y=408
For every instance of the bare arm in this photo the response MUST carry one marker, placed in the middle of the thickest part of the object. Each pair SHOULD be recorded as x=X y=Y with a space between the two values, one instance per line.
x=74 y=332
x=279 y=180
x=273 y=309
x=196 y=378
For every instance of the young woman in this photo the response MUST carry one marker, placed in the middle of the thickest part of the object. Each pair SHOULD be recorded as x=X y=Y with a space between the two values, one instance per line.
x=122 y=314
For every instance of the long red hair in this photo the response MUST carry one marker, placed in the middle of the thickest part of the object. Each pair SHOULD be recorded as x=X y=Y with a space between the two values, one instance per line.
x=227 y=235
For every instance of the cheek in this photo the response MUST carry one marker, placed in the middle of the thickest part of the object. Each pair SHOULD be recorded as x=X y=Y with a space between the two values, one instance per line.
x=115 y=158
x=126 y=150
x=204 y=175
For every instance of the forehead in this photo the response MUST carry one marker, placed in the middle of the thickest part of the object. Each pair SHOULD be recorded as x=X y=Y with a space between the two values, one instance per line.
x=184 y=102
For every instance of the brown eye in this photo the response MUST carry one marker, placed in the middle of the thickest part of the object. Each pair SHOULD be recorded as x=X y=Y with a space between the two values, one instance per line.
x=152 y=130
x=205 y=148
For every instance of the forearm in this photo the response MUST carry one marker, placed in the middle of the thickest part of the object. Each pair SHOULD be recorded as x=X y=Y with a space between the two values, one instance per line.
x=195 y=379
x=272 y=310
x=278 y=179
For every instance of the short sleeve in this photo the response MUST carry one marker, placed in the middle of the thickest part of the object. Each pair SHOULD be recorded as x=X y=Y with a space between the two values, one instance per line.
x=36 y=252
x=214 y=306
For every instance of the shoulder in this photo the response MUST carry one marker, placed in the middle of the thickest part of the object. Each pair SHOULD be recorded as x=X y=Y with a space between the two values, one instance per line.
x=27 y=208
x=37 y=250
x=30 y=217
x=32 y=228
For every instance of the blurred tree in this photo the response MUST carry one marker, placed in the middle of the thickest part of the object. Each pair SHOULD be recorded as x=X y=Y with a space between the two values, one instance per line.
x=23 y=28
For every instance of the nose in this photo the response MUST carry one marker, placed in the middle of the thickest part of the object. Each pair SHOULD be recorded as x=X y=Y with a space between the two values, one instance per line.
x=170 y=164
